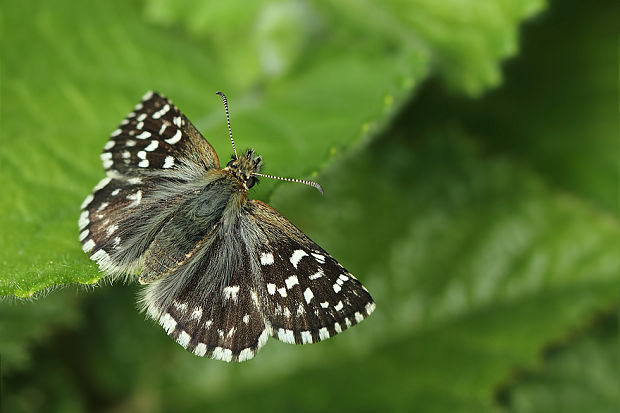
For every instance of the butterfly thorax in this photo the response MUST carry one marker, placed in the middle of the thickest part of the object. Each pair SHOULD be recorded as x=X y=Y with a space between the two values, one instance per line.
x=245 y=167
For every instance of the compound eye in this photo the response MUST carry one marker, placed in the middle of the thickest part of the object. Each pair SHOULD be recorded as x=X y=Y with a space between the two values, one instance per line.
x=251 y=181
x=230 y=163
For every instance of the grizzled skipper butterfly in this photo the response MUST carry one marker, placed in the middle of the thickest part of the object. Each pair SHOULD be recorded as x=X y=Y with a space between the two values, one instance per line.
x=222 y=272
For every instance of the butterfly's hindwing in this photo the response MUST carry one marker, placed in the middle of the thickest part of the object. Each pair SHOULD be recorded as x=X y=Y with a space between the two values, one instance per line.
x=156 y=136
x=210 y=305
x=310 y=296
x=102 y=228
x=122 y=218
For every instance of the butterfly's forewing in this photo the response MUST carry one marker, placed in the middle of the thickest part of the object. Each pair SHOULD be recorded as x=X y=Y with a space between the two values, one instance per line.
x=310 y=296
x=155 y=136
x=124 y=212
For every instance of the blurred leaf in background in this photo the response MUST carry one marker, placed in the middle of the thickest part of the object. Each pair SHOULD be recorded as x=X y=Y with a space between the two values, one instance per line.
x=485 y=228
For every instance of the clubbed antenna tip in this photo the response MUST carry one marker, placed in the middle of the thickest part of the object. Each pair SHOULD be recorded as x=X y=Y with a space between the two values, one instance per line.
x=301 y=181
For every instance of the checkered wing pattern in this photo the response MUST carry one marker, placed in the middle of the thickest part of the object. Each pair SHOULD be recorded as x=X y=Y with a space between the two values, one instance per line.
x=156 y=136
x=309 y=295
x=149 y=161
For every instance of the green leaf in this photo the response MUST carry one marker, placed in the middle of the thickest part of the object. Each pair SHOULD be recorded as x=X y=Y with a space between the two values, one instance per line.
x=557 y=112
x=474 y=263
x=336 y=80
x=578 y=376
x=24 y=325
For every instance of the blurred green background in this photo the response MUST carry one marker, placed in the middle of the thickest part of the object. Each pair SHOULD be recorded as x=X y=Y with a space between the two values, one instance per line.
x=468 y=152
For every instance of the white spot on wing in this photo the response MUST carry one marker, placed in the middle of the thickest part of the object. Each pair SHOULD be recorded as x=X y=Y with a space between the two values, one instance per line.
x=297 y=256
x=246 y=354
x=102 y=258
x=83 y=219
x=246 y=318
x=358 y=317
x=83 y=234
x=319 y=258
x=300 y=310
x=87 y=201
x=271 y=288
x=339 y=306
x=306 y=337
x=337 y=288
x=168 y=323
x=110 y=230
x=181 y=307
x=231 y=292
x=323 y=333
x=223 y=354
x=337 y=328
x=262 y=339
x=144 y=135
x=254 y=299
x=200 y=350
x=286 y=336
x=168 y=162
x=116 y=133
x=152 y=146
x=136 y=198
x=196 y=314
x=282 y=292
x=266 y=258
x=308 y=295
x=177 y=137
x=102 y=183
x=88 y=245
x=325 y=304
x=161 y=112
x=106 y=158
x=183 y=339
x=291 y=281
x=370 y=307
x=316 y=275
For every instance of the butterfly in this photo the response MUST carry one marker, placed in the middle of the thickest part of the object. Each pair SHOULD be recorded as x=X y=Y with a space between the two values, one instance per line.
x=221 y=273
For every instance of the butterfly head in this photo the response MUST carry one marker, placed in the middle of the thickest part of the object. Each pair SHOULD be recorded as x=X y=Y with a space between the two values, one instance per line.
x=245 y=168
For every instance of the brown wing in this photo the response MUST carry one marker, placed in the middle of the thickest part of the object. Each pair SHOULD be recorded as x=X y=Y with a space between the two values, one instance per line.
x=309 y=295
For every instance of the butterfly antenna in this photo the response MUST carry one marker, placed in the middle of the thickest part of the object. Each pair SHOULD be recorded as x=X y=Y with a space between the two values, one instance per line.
x=301 y=181
x=223 y=96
